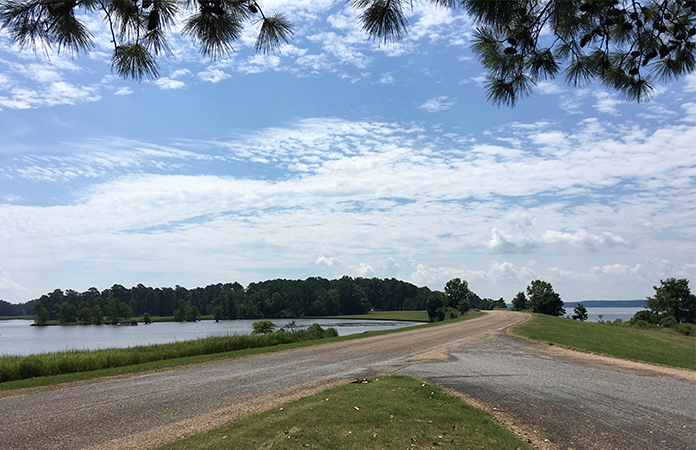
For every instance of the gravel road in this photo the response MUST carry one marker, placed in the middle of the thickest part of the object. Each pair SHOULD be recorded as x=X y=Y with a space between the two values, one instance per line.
x=571 y=400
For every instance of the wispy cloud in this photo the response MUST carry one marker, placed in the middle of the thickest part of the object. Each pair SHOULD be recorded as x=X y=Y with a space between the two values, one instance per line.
x=436 y=104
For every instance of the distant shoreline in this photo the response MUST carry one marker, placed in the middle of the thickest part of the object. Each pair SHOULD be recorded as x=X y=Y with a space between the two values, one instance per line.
x=608 y=303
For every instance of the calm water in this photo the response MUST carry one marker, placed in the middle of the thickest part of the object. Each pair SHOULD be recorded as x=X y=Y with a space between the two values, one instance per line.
x=612 y=314
x=17 y=337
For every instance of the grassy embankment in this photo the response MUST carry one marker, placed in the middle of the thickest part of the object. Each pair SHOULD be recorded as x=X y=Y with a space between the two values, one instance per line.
x=9 y=364
x=656 y=346
x=389 y=413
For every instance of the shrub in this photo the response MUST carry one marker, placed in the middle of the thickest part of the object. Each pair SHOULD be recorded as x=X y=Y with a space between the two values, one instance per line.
x=263 y=327
x=451 y=313
x=645 y=316
x=668 y=322
x=687 y=329
x=644 y=324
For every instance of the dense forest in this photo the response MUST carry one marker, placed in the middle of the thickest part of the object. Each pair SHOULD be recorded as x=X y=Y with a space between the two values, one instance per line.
x=267 y=299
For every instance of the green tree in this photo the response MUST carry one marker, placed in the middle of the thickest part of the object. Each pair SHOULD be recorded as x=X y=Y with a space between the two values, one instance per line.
x=147 y=319
x=674 y=298
x=318 y=308
x=625 y=45
x=68 y=313
x=84 y=313
x=519 y=302
x=580 y=312
x=435 y=308
x=263 y=327
x=487 y=304
x=217 y=313
x=192 y=314
x=180 y=312
x=542 y=299
x=125 y=310
x=41 y=314
x=113 y=311
x=457 y=295
x=97 y=315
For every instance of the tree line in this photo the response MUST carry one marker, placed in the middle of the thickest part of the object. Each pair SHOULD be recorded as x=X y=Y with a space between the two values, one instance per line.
x=278 y=298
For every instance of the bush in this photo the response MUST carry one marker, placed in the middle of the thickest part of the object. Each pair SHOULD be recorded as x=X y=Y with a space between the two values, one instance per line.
x=645 y=316
x=644 y=324
x=263 y=327
x=451 y=313
x=687 y=329
x=668 y=322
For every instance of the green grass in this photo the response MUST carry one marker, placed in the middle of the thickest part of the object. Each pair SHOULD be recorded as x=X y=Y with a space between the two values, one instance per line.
x=414 y=316
x=656 y=346
x=389 y=413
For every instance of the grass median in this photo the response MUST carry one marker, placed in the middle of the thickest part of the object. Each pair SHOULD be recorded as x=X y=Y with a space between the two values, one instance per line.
x=656 y=346
x=389 y=413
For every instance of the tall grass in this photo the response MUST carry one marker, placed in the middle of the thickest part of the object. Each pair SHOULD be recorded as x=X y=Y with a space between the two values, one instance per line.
x=14 y=368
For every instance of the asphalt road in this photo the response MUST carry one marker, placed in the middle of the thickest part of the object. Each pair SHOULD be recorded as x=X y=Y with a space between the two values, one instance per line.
x=544 y=395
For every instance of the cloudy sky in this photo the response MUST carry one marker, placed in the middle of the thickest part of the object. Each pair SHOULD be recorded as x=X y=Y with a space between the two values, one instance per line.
x=337 y=157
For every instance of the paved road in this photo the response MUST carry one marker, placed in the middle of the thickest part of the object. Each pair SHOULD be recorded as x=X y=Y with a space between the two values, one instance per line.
x=572 y=402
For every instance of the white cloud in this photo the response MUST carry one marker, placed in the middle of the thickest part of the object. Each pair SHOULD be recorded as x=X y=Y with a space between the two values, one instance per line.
x=58 y=93
x=123 y=91
x=259 y=63
x=8 y=284
x=213 y=75
x=363 y=270
x=606 y=103
x=548 y=88
x=690 y=82
x=436 y=104
x=387 y=78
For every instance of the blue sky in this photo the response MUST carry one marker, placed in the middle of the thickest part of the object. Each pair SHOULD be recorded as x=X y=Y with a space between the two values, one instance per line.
x=337 y=157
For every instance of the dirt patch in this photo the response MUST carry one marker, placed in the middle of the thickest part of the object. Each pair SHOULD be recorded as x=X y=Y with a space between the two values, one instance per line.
x=438 y=354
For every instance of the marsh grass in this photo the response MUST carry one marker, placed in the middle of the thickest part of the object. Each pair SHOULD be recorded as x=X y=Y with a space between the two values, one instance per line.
x=657 y=346
x=389 y=413
x=14 y=368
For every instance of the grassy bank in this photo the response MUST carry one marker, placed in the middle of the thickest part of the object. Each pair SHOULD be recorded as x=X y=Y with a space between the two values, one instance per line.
x=13 y=368
x=657 y=346
x=413 y=316
x=388 y=413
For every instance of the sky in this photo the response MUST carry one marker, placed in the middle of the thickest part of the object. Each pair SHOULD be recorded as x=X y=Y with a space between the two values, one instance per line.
x=337 y=156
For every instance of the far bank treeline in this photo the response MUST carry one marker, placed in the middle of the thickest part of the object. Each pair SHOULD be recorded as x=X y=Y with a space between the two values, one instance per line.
x=268 y=299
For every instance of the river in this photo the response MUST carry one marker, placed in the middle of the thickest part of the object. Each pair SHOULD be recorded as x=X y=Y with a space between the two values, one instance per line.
x=17 y=337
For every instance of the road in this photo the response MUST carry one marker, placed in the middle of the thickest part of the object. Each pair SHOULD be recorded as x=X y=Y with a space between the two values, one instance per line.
x=544 y=394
